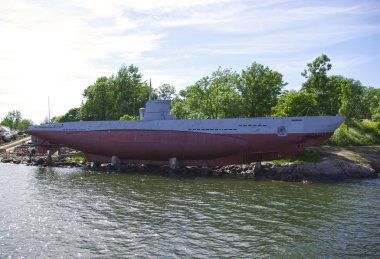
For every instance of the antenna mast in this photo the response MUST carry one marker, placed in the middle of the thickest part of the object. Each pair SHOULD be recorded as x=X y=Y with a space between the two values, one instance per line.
x=49 y=108
x=150 y=89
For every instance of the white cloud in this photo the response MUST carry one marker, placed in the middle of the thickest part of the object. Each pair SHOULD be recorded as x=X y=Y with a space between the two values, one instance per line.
x=170 y=5
x=288 y=41
x=57 y=48
x=52 y=53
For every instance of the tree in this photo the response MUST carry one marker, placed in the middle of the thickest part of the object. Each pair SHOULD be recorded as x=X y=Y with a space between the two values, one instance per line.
x=195 y=98
x=324 y=89
x=129 y=92
x=329 y=101
x=295 y=104
x=113 y=97
x=98 y=104
x=12 y=120
x=210 y=97
x=372 y=102
x=180 y=108
x=317 y=73
x=72 y=115
x=259 y=87
x=224 y=100
x=166 y=92
x=24 y=124
x=352 y=104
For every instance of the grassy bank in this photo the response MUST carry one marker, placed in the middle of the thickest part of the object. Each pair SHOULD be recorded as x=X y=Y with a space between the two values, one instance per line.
x=308 y=155
x=361 y=133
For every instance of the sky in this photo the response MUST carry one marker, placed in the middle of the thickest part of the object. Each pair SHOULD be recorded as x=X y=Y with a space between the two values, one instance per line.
x=52 y=49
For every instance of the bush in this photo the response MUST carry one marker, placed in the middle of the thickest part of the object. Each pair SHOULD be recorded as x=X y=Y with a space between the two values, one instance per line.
x=371 y=126
x=364 y=133
x=376 y=117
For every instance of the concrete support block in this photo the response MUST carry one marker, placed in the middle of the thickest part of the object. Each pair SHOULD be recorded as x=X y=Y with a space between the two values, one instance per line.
x=115 y=161
x=174 y=163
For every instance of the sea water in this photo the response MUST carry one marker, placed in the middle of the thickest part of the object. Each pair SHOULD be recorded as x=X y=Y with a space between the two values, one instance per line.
x=61 y=212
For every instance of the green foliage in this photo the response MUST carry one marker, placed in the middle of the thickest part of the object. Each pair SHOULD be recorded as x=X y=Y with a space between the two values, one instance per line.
x=306 y=156
x=361 y=133
x=221 y=99
x=352 y=105
x=371 y=102
x=129 y=92
x=339 y=94
x=166 y=92
x=259 y=87
x=14 y=121
x=295 y=104
x=24 y=124
x=98 y=104
x=76 y=159
x=128 y=117
x=180 y=108
x=317 y=72
x=72 y=115
x=113 y=97
x=323 y=89
x=331 y=99
x=370 y=126
x=376 y=117
x=57 y=118
x=210 y=97
x=225 y=94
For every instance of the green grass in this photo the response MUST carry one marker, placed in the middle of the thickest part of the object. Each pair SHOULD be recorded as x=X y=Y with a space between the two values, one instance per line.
x=371 y=126
x=76 y=159
x=308 y=155
x=361 y=133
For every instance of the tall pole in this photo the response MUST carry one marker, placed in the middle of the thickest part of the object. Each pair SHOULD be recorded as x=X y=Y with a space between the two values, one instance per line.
x=49 y=107
x=150 y=89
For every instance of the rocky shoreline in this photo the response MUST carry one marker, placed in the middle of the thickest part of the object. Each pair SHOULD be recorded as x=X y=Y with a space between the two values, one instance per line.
x=337 y=164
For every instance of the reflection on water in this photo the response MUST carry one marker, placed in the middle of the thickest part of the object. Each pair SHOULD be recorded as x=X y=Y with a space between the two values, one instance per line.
x=72 y=213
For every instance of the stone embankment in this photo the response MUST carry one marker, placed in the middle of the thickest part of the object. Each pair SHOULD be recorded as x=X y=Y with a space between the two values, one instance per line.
x=337 y=164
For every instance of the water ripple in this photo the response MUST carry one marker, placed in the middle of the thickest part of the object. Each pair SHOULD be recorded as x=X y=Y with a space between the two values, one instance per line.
x=74 y=213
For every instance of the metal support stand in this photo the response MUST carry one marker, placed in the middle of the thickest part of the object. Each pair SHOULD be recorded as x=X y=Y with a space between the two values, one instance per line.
x=115 y=162
x=258 y=167
x=48 y=161
x=174 y=163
